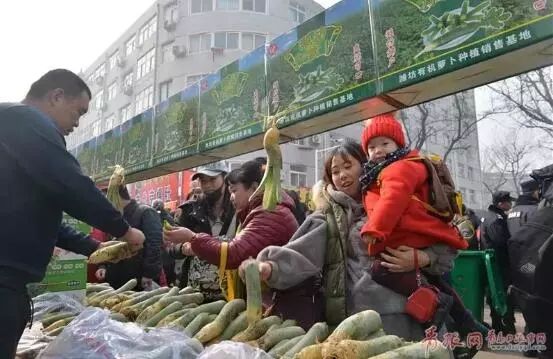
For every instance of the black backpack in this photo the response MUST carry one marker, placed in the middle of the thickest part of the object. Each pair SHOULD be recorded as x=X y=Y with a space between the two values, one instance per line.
x=527 y=249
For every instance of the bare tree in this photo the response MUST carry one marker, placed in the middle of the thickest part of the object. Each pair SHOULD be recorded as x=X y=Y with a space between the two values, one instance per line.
x=527 y=98
x=451 y=118
x=506 y=160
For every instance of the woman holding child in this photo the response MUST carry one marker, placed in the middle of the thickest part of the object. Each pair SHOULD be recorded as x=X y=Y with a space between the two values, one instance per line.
x=328 y=249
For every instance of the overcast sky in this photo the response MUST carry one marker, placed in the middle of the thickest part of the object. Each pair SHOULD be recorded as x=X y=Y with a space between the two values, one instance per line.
x=39 y=35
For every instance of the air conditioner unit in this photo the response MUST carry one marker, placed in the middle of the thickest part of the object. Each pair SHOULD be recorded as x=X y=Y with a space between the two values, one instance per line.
x=315 y=139
x=127 y=89
x=99 y=80
x=179 y=50
x=169 y=24
x=121 y=61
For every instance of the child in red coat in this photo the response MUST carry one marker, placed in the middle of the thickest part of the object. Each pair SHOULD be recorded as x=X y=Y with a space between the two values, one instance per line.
x=395 y=183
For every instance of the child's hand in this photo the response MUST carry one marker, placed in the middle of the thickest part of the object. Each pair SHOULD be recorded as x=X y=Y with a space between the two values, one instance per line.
x=368 y=239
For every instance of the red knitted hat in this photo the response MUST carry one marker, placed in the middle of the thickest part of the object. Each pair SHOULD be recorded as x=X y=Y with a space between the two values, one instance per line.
x=383 y=125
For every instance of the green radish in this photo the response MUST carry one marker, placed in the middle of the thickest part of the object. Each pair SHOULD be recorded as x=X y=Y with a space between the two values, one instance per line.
x=140 y=298
x=171 y=308
x=428 y=349
x=96 y=295
x=95 y=288
x=225 y=317
x=314 y=351
x=356 y=327
x=253 y=291
x=51 y=319
x=59 y=323
x=184 y=299
x=354 y=349
x=55 y=332
x=275 y=336
x=239 y=324
x=95 y=301
x=118 y=317
x=285 y=345
x=156 y=307
x=288 y=323
x=134 y=311
x=198 y=323
x=211 y=308
x=316 y=334
x=257 y=330
x=111 y=301
x=379 y=333
x=173 y=316
x=187 y=290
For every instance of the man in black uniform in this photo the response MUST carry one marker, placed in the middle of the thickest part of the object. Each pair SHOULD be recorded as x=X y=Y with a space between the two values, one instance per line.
x=494 y=234
x=525 y=205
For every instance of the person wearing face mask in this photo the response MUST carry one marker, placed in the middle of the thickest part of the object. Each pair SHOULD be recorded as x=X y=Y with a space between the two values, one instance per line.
x=210 y=213
x=257 y=227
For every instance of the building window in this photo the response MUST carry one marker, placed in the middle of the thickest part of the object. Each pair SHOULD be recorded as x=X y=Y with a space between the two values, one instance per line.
x=201 y=6
x=112 y=91
x=113 y=60
x=227 y=4
x=127 y=80
x=99 y=72
x=200 y=42
x=145 y=64
x=470 y=173
x=298 y=179
x=226 y=40
x=126 y=113
x=461 y=169
x=147 y=31
x=130 y=45
x=145 y=99
x=194 y=78
x=252 y=41
x=164 y=90
x=99 y=100
x=296 y=12
x=254 y=5
x=167 y=53
x=109 y=123
x=172 y=14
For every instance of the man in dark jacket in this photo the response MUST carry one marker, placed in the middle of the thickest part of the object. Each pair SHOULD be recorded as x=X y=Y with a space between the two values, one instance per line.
x=145 y=266
x=494 y=234
x=525 y=205
x=40 y=180
x=211 y=213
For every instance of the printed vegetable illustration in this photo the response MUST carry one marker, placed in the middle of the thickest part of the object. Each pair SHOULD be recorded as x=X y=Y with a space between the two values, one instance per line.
x=315 y=84
x=457 y=26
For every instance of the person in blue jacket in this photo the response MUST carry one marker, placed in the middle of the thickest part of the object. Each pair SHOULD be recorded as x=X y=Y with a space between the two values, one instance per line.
x=39 y=180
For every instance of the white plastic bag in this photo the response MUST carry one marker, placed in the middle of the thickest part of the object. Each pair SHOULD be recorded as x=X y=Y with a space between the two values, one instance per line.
x=233 y=350
x=55 y=303
x=93 y=335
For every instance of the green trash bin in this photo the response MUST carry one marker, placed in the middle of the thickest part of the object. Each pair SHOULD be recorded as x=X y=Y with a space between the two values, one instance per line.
x=495 y=282
x=469 y=278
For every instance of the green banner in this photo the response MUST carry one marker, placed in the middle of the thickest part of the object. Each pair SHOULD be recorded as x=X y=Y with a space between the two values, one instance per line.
x=233 y=102
x=176 y=126
x=136 y=142
x=421 y=39
x=351 y=52
x=322 y=65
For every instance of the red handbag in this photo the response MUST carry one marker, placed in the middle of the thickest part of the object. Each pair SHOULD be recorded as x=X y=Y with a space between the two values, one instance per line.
x=423 y=302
